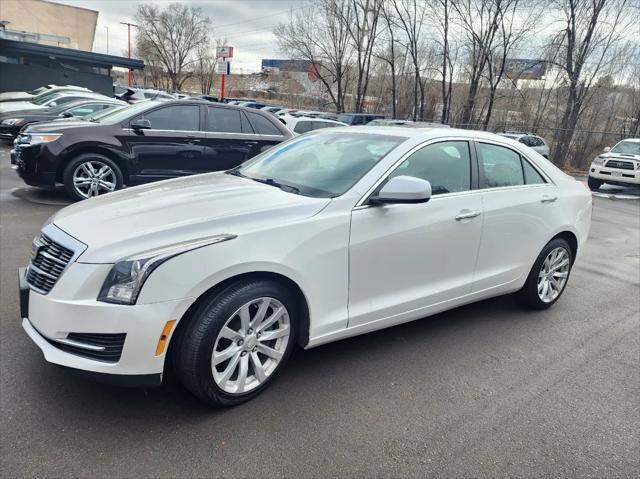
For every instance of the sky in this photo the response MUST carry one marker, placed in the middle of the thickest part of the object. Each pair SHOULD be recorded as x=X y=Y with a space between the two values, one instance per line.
x=247 y=25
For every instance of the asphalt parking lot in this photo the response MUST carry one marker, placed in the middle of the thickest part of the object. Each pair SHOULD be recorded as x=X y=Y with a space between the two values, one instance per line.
x=487 y=390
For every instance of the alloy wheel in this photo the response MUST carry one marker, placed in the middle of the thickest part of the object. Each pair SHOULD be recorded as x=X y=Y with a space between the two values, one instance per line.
x=553 y=274
x=93 y=178
x=250 y=345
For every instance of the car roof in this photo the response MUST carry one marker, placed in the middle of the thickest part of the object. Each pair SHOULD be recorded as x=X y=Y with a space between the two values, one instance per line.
x=634 y=140
x=419 y=133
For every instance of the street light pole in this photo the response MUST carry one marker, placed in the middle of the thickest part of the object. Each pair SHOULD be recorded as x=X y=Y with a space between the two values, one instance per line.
x=107 y=28
x=129 y=25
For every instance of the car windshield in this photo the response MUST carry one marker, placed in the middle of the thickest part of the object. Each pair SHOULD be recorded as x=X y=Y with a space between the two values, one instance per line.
x=322 y=165
x=37 y=91
x=45 y=97
x=627 y=148
x=64 y=107
x=105 y=113
x=128 y=112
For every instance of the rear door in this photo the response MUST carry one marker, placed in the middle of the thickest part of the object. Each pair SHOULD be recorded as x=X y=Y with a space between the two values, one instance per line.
x=269 y=128
x=519 y=204
x=174 y=146
x=229 y=138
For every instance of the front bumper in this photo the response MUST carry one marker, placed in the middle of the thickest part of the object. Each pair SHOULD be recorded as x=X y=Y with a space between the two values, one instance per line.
x=614 y=175
x=36 y=166
x=71 y=308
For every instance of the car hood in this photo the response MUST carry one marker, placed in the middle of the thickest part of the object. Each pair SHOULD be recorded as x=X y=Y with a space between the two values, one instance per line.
x=58 y=126
x=35 y=113
x=159 y=214
x=19 y=105
x=15 y=95
x=619 y=156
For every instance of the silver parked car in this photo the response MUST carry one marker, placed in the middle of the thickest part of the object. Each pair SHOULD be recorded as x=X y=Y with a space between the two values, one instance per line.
x=532 y=141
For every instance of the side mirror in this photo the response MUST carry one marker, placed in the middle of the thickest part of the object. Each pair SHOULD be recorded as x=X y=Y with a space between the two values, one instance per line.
x=606 y=149
x=403 y=189
x=67 y=114
x=141 y=124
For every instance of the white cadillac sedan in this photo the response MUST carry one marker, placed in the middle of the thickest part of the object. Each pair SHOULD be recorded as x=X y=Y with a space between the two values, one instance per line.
x=332 y=234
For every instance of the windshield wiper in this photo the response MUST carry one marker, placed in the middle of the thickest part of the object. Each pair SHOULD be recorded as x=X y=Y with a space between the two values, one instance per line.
x=282 y=186
x=266 y=181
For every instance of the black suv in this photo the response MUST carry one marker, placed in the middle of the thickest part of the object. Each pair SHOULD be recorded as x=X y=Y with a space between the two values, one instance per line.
x=147 y=141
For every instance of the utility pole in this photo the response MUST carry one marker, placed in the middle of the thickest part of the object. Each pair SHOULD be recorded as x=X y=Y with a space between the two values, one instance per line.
x=129 y=25
x=107 y=29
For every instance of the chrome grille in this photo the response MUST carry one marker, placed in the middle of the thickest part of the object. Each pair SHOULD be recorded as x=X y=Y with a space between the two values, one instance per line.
x=48 y=260
x=622 y=165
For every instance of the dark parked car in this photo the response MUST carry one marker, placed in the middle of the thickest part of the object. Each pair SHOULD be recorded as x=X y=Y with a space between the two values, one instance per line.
x=358 y=118
x=12 y=122
x=147 y=141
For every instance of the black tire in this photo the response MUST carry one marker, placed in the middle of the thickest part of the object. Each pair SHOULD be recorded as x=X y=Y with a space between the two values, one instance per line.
x=528 y=295
x=67 y=176
x=594 y=183
x=195 y=341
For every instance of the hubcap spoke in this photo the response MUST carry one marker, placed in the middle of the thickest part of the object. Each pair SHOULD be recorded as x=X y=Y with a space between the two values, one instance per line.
x=250 y=345
x=553 y=274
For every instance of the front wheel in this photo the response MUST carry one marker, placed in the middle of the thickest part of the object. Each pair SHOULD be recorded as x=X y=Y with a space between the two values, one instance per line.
x=594 y=183
x=548 y=277
x=90 y=175
x=236 y=342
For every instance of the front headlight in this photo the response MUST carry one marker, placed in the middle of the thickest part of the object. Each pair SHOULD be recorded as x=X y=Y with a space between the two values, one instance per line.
x=34 y=139
x=13 y=121
x=127 y=276
x=598 y=160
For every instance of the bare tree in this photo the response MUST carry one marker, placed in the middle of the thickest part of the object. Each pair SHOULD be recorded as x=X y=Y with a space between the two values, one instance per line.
x=592 y=32
x=363 y=29
x=173 y=35
x=387 y=51
x=411 y=16
x=481 y=21
x=319 y=33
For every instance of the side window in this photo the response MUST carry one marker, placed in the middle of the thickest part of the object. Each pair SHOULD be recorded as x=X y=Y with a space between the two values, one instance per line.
x=531 y=175
x=223 y=120
x=179 y=117
x=303 y=127
x=446 y=165
x=501 y=166
x=246 y=126
x=323 y=124
x=537 y=141
x=264 y=126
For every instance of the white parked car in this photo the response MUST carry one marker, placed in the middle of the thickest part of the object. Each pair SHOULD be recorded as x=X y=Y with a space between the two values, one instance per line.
x=50 y=100
x=619 y=165
x=329 y=235
x=532 y=141
x=38 y=92
x=300 y=125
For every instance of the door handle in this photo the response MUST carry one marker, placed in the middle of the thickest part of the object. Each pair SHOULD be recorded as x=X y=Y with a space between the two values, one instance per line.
x=192 y=140
x=466 y=214
x=548 y=199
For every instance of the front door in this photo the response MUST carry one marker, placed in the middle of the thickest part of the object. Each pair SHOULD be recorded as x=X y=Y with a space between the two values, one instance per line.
x=174 y=146
x=407 y=258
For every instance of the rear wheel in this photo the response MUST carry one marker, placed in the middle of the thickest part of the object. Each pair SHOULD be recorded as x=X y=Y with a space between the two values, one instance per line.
x=236 y=342
x=548 y=277
x=594 y=183
x=91 y=175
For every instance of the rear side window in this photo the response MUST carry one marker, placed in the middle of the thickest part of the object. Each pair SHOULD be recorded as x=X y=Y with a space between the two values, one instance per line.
x=178 y=118
x=531 y=175
x=263 y=125
x=223 y=120
x=303 y=127
x=446 y=165
x=501 y=166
